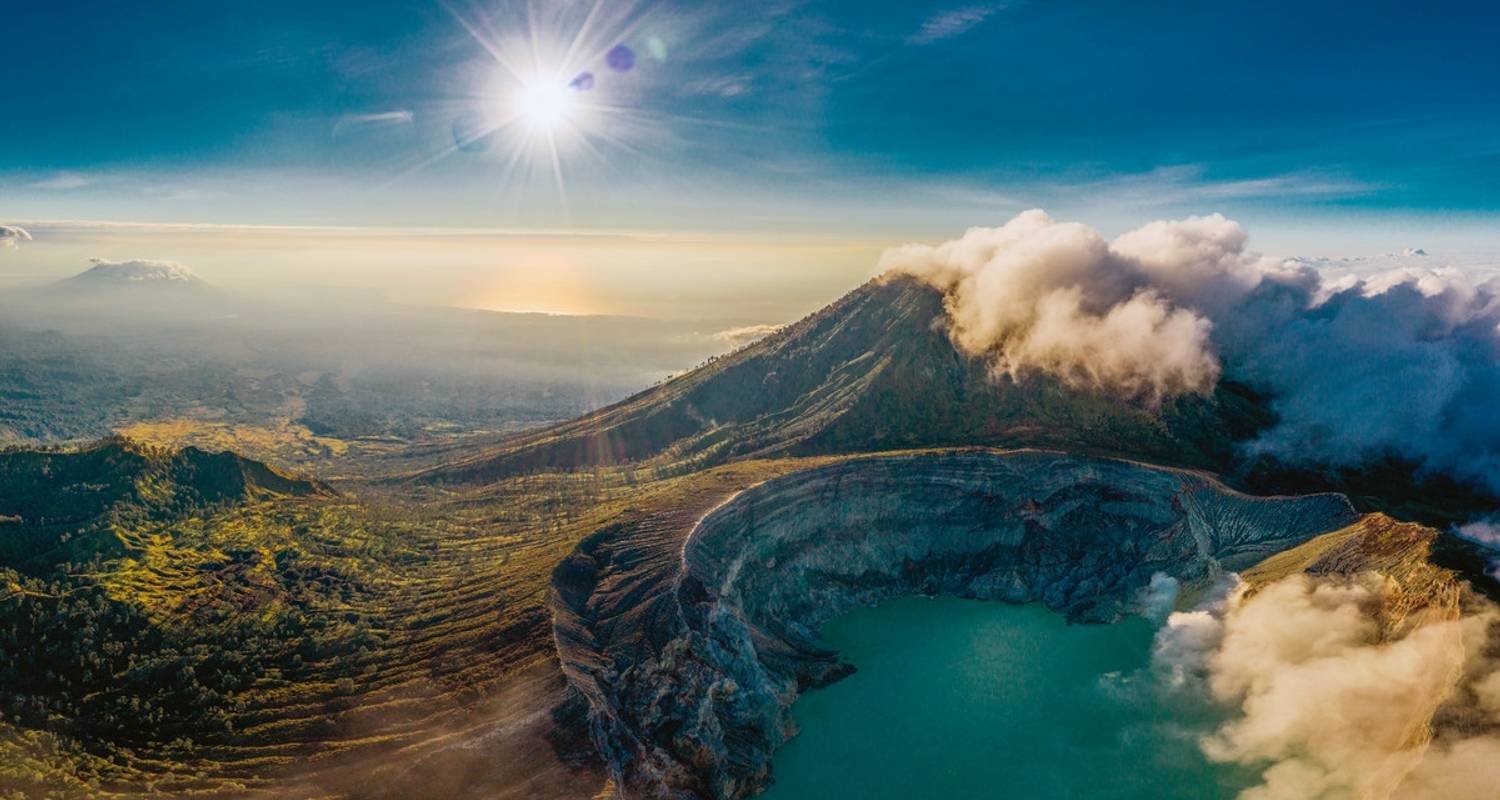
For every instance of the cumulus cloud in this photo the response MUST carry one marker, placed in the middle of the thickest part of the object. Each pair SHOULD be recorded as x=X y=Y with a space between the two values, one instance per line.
x=1035 y=294
x=1404 y=363
x=11 y=234
x=1325 y=705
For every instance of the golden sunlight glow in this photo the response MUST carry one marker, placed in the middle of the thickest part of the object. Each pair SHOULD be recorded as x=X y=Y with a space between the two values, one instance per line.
x=543 y=104
x=535 y=281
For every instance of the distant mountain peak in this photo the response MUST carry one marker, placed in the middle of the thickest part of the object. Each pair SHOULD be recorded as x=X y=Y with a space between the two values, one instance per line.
x=137 y=272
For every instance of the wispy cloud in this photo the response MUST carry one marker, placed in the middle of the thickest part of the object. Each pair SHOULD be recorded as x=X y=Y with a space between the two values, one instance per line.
x=951 y=23
x=378 y=119
x=1188 y=183
x=725 y=86
x=64 y=180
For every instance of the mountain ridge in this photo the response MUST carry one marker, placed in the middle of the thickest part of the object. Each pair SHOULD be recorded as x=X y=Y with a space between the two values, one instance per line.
x=874 y=370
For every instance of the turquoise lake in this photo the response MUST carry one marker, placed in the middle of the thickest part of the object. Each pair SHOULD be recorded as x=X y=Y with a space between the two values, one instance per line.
x=967 y=699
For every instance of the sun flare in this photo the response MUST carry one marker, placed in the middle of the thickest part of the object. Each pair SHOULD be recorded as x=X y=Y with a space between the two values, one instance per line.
x=544 y=105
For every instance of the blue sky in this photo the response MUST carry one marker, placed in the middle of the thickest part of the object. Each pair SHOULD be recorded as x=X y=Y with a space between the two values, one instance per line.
x=1319 y=124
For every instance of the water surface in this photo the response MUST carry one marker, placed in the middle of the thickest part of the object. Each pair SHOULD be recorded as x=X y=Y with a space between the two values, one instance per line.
x=967 y=699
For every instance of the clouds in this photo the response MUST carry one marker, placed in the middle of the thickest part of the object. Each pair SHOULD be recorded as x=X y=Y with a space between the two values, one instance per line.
x=1404 y=363
x=1037 y=295
x=1191 y=184
x=11 y=235
x=1325 y=705
x=738 y=337
x=1159 y=597
x=353 y=123
x=951 y=23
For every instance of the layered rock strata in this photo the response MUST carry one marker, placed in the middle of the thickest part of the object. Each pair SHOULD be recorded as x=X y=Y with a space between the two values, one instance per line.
x=690 y=637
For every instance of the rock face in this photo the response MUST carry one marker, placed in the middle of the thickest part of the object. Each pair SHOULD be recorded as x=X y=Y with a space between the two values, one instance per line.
x=690 y=649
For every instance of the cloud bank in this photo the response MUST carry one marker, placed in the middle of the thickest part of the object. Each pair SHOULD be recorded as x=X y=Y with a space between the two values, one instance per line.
x=1325 y=706
x=1404 y=363
x=10 y=235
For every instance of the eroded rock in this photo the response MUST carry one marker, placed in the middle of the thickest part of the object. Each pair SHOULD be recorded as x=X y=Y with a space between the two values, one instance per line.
x=690 y=645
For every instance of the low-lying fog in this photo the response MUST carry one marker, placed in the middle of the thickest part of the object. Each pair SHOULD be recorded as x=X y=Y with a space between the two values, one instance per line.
x=134 y=341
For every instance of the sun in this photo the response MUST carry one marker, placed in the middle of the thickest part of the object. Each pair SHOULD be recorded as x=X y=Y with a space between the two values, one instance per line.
x=563 y=88
x=544 y=105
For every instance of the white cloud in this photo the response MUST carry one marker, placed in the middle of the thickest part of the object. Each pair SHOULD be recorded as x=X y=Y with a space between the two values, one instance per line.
x=1189 y=184
x=1159 y=597
x=724 y=86
x=951 y=23
x=379 y=119
x=1037 y=295
x=10 y=235
x=1404 y=363
x=1327 y=705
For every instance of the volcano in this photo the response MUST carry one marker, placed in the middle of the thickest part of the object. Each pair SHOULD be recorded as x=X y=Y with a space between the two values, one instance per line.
x=873 y=371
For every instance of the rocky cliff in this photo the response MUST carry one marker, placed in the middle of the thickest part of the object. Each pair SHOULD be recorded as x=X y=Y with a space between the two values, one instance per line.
x=690 y=642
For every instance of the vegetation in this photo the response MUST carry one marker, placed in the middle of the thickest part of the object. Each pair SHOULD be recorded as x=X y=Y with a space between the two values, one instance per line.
x=193 y=634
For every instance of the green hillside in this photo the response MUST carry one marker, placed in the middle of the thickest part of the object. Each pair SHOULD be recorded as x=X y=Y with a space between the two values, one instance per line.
x=196 y=624
x=69 y=506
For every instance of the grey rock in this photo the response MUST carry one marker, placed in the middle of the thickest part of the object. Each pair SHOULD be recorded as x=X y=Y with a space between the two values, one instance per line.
x=691 y=648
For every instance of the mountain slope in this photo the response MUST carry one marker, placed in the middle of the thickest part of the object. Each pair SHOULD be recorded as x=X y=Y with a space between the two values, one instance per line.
x=61 y=506
x=873 y=371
